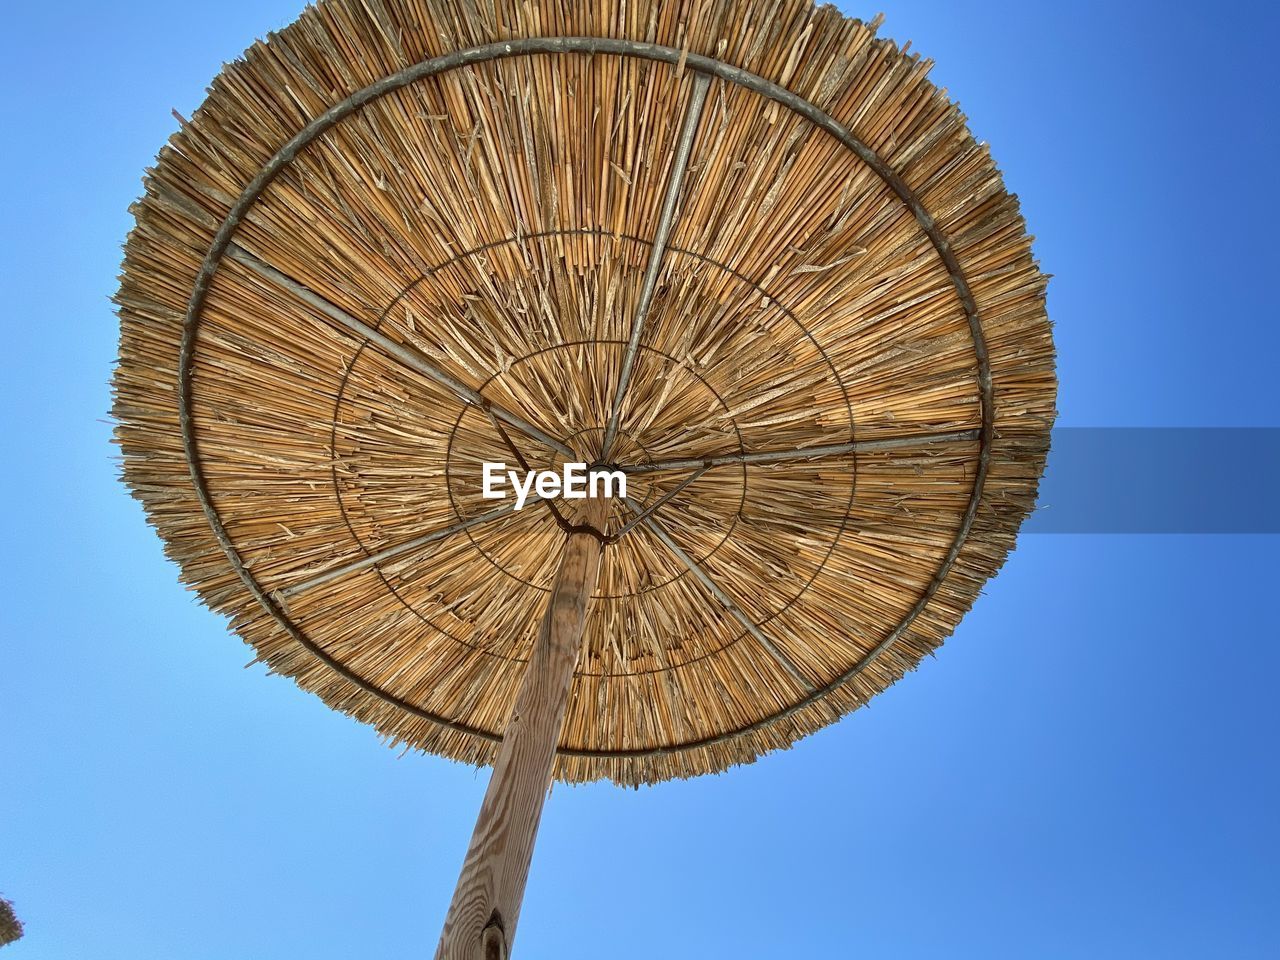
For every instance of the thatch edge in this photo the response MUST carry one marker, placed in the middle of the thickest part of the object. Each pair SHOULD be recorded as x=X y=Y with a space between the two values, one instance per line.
x=10 y=926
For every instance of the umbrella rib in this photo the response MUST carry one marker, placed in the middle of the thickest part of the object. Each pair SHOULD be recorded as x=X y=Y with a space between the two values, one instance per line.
x=411 y=358
x=657 y=253
x=569 y=528
x=705 y=579
x=653 y=507
x=409 y=546
x=803 y=453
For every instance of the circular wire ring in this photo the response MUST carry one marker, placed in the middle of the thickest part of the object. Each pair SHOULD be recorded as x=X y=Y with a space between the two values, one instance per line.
x=581 y=45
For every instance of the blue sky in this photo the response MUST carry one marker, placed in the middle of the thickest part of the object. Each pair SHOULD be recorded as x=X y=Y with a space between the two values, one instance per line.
x=1086 y=770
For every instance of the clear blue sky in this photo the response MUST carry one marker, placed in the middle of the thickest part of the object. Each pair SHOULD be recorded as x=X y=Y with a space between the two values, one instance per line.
x=1088 y=769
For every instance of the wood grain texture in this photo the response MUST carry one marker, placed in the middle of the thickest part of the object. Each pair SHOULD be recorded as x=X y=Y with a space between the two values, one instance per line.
x=482 y=918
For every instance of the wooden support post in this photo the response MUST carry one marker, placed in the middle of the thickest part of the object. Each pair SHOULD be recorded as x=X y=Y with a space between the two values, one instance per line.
x=481 y=922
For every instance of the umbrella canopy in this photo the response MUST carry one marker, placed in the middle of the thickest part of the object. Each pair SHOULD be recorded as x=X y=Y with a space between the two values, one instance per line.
x=741 y=251
x=10 y=925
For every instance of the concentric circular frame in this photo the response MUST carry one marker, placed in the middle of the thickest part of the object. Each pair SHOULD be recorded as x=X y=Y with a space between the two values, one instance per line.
x=595 y=232
x=577 y=45
x=575 y=343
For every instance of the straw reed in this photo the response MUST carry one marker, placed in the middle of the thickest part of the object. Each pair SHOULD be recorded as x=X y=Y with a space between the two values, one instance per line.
x=497 y=218
x=10 y=925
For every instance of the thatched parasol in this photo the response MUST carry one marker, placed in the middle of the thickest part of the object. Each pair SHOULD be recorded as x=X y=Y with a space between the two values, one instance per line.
x=10 y=925
x=741 y=251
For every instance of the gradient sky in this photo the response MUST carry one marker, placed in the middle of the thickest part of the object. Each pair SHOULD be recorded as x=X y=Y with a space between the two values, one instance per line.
x=1087 y=769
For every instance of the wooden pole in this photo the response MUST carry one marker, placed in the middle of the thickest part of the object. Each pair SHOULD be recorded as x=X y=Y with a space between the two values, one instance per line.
x=481 y=922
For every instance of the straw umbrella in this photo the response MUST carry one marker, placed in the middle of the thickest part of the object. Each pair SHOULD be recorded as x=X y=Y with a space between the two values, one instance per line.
x=10 y=925
x=741 y=252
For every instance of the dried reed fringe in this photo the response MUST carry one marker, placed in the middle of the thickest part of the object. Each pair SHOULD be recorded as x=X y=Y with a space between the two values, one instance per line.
x=799 y=293
x=10 y=925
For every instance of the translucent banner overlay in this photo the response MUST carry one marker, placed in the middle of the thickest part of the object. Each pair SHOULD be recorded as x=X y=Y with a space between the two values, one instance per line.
x=1160 y=480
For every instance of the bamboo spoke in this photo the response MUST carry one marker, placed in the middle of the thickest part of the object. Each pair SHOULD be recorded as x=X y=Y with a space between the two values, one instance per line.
x=410 y=357
x=705 y=579
x=409 y=546
x=802 y=453
x=559 y=517
x=657 y=253
x=653 y=507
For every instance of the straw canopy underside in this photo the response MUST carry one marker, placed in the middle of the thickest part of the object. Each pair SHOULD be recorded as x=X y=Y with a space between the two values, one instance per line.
x=493 y=219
